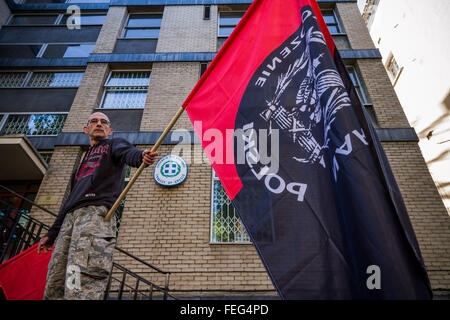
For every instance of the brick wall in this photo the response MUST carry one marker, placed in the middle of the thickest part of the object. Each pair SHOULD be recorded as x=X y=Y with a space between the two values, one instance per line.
x=88 y=96
x=184 y=30
x=56 y=183
x=170 y=84
x=111 y=30
x=385 y=102
x=354 y=26
x=428 y=215
x=170 y=228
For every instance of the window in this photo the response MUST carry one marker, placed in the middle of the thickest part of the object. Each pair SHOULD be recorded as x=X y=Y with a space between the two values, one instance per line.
x=332 y=22
x=29 y=79
x=226 y=227
x=363 y=96
x=87 y=19
x=12 y=79
x=55 y=79
x=203 y=67
x=46 y=156
x=68 y=50
x=126 y=89
x=142 y=26
x=32 y=124
x=28 y=19
x=393 y=69
x=207 y=13
x=25 y=51
x=228 y=21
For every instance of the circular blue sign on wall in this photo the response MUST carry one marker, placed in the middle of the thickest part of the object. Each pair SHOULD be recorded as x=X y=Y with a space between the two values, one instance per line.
x=170 y=170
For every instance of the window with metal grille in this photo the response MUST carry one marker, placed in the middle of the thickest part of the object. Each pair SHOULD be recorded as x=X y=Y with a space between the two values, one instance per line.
x=40 y=79
x=332 y=22
x=142 y=26
x=32 y=124
x=12 y=79
x=46 y=155
x=126 y=89
x=55 y=79
x=226 y=227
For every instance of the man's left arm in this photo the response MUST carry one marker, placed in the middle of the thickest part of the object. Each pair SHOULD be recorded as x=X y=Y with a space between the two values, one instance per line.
x=132 y=156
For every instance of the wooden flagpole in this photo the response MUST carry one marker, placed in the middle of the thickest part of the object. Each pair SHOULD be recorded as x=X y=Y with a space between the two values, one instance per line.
x=143 y=165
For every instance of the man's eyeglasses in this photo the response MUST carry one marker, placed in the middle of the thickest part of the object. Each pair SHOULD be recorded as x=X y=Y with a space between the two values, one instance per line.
x=95 y=121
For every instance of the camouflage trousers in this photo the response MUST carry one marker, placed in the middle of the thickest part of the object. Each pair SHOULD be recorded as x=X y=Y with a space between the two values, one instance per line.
x=82 y=256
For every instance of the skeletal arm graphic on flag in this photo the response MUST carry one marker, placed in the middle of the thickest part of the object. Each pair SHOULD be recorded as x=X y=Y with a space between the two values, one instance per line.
x=143 y=165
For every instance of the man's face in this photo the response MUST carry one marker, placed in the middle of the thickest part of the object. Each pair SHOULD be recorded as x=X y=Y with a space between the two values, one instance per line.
x=98 y=126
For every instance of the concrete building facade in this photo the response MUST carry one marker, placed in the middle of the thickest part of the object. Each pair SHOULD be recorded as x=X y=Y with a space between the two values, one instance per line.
x=419 y=70
x=137 y=61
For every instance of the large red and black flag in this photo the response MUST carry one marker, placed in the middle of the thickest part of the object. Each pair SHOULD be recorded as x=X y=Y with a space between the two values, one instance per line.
x=296 y=153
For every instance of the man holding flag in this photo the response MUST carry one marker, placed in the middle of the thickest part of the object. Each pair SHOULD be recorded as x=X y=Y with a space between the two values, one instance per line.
x=84 y=243
x=330 y=223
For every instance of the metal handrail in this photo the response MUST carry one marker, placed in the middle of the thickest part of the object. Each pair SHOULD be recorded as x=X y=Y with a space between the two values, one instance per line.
x=165 y=290
x=28 y=200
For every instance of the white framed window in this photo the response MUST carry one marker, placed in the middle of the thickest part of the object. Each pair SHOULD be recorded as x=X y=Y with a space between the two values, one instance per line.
x=142 y=26
x=125 y=90
x=393 y=69
x=226 y=227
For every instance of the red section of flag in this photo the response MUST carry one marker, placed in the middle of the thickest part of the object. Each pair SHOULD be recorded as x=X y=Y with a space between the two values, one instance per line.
x=23 y=276
x=215 y=99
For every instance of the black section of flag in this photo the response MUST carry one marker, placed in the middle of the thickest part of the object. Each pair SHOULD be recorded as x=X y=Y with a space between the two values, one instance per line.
x=325 y=214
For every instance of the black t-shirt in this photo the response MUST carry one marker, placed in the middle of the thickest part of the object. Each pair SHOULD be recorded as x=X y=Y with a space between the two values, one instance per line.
x=98 y=179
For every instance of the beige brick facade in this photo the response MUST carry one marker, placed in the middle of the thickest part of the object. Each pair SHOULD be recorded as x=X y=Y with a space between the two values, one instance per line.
x=170 y=84
x=193 y=34
x=170 y=227
x=88 y=96
x=354 y=26
x=55 y=186
x=111 y=30
x=385 y=102
x=428 y=215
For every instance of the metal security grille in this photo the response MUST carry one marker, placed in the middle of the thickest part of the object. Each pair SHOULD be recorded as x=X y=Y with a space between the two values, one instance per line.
x=56 y=79
x=226 y=227
x=33 y=124
x=12 y=79
x=126 y=90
